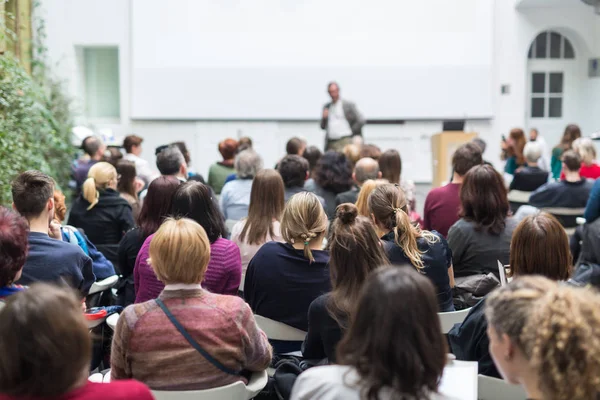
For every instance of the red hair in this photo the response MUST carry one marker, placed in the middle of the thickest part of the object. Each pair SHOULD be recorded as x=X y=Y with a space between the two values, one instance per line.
x=228 y=148
x=13 y=245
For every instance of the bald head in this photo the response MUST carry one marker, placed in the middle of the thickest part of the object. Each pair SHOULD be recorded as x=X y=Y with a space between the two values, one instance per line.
x=365 y=169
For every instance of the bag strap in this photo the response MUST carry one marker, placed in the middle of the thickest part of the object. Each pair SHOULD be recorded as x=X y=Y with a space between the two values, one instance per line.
x=191 y=341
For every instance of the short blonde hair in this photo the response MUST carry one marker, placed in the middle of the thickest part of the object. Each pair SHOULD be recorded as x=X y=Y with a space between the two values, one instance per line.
x=99 y=176
x=586 y=149
x=362 y=201
x=180 y=251
x=303 y=220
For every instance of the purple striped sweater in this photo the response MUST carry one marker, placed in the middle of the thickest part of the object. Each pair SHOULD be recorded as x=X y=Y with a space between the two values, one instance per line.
x=223 y=275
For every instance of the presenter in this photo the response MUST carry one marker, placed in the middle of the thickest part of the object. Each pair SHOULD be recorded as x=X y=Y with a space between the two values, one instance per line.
x=341 y=120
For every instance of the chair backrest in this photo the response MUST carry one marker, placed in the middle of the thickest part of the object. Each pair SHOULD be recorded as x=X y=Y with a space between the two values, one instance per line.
x=497 y=389
x=519 y=196
x=234 y=391
x=577 y=212
x=449 y=319
x=112 y=320
x=279 y=331
x=104 y=284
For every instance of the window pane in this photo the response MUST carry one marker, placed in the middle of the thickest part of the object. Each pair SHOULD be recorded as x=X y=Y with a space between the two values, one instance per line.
x=555 y=40
x=537 y=107
x=569 y=52
x=556 y=82
x=530 y=54
x=555 y=107
x=540 y=45
x=101 y=77
x=538 y=82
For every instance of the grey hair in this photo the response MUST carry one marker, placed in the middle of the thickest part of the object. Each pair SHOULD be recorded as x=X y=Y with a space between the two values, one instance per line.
x=169 y=161
x=247 y=164
x=365 y=169
x=532 y=152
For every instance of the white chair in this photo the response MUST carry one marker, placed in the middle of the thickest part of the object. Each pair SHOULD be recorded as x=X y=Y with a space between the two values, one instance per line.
x=112 y=320
x=104 y=284
x=279 y=331
x=234 y=391
x=519 y=196
x=497 y=389
x=565 y=212
x=449 y=319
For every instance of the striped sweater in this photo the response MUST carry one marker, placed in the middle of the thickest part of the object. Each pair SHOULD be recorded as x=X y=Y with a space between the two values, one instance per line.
x=223 y=274
x=147 y=346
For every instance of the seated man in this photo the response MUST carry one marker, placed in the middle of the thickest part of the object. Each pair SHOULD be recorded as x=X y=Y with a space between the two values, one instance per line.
x=49 y=258
x=294 y=171
x=442 y=204
x=530 y=177
x=573 y=192
x=365 y=169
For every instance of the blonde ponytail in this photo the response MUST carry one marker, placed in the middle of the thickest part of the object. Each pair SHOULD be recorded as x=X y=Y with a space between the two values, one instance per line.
x=307 y=237
x=90 y=193
x=406 y=238
x=99 y=177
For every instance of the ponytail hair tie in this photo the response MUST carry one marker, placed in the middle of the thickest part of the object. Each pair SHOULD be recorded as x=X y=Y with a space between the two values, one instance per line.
x=306 y=243
x=396 y=210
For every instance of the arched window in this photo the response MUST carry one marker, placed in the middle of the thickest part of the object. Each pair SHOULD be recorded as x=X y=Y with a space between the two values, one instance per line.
x=551 y=45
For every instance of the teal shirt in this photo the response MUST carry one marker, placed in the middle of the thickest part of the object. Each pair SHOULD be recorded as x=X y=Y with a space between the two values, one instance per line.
x=556 y=163
x=511 y=165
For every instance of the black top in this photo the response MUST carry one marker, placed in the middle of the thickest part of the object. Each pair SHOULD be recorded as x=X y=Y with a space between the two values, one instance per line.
x=107 y=222
x=349 y=196
x=280 y=283
x=437 y=258
x=528 y=179
x=52 y=260
x=324 y=333
x=128 y=250
x=563 y=194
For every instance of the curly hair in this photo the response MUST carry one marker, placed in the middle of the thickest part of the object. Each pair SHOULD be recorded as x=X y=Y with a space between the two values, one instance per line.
x=334 y=172
x=14 y=244
x=555 y=326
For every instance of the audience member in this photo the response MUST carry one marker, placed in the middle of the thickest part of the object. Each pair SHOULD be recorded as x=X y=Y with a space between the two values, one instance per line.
x=370 y=150
x=294 y=171
x=49 y=259
x=264 y=214
x=405 y=243
x=442 y=205
x=170 y=161
x=101 y=212
x=535 y=137
x=244 y=143
x=592 y=208
x=194 y=200
x=333 y=176
x=539 y=247
x=355 y=251
x=94 y=148
x=390 y=165
x=146 y=344
x=393 y=349
x=364 y=169
x=13 y=252
x=114 y=155
x=479 y=142
x=587 y=151
x=571 y=133
x=128 y=186
x=102 y=267
x=46 y=350
x=512 y=150
x=284 y=278
x=573 y=192
x=235 y=196
x=133 y=150
x=544 y=336
x=312 y=155
x=481 y=237
x=295 y=146
x=530 y=177
x=362 y=202
x=219 y=171
x=352 y=153
x=155 y=210
x=341 y=120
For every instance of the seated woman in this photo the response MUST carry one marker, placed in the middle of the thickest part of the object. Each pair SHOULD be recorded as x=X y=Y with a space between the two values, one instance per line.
x=13 y=251
x=284 y=278
x=544 y=337
x=589 y=166
x=101 y=212
x=328 y=315
x=362 y=202
x=156 y=208
x=408 y=333
x=235 y=195
x=47 y=348
x=129 y=186
x=218 y=172
x=264 y=214
x=539 y=247
x=194 y=200
x=482 y=236
x=148 y=345
x=390 y=165
x=405 y=243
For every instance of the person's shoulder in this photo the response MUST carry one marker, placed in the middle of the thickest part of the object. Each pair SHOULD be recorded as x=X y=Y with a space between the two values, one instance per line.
x=223 y=244
x=320 y=303
x=463 y=224
x=271 y=248
x=236 y=230
x=327 y=382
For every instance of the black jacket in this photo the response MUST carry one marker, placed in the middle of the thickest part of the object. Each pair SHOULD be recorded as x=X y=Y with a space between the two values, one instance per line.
x=107 y=222
x=528 y=179
x=349 y=196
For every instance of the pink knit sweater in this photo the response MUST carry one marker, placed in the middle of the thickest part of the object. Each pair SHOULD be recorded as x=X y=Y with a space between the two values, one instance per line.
x=223 y=275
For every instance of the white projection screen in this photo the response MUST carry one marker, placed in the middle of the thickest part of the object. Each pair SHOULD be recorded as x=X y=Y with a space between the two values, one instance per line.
x=272 y=59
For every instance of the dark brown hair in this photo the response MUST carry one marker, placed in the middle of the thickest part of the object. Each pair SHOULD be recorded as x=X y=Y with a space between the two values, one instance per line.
x=157 y=204
x=354 y=251
x=390 y=165
x=571 y=133
x=228 y=149
x=334 y=172
x=294 y=145
x=371 y=151
x=572 y=160
x=540 y=246
x=395 y=339
x=13 y=245
x=312 y=154
x=126 y=182
x=516 y=148
x=184 y=150
x=44 y=341
x=293 y=170
x=483 y=199
x=31 y=191
x=130 y=141
x=266 y=205
x=466 y=157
